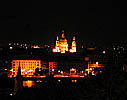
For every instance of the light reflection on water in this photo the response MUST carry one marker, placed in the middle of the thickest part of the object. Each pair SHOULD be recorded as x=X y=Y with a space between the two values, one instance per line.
x=28 y=83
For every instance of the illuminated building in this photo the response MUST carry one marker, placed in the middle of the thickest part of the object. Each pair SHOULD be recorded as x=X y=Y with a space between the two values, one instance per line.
x=52 y=67
x=35 y=46
x=72 y=71
x=62 y=45
x=27 y=67
x=73 y=48
x=28 y=83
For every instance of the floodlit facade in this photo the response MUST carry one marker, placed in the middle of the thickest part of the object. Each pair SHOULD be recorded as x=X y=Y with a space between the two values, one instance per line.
x=62 y=45
x=27 y=67
x=52 y=68
x=73 y=48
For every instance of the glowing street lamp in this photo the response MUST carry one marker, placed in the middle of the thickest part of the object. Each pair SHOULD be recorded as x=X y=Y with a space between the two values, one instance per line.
x=97 y=63
x=61 y=72
x=53 y=70
x=104 y=52
x=72 y=69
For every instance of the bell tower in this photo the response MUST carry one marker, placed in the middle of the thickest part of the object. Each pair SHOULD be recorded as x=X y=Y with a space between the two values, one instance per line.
x=73 y=48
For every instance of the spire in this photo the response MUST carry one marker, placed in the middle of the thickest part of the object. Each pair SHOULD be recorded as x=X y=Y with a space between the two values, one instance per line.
x=74 y=38
x=19 y=71
x=62 y=34
x=57 y=38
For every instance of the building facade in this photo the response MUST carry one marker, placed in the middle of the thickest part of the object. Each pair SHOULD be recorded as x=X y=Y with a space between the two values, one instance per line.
x=27 y=67
x=62 y=45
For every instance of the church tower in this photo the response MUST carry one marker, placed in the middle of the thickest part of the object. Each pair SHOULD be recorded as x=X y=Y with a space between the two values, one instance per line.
x=57 y=47
x=18 y=81
x=73 y=48
x=63 y=43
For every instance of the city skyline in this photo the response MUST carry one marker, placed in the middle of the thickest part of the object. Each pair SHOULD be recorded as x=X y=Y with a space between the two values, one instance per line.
x=63 y=51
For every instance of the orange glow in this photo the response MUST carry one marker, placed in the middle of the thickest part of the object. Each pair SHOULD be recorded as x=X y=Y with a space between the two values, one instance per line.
x=74 y=81
x=58 y=75
x=35 y=47
x=86 y=58
x=104 y=52
x=27 y=67
x=72 y=71
x=59 y=80
x=68 y=76
x=38 y=81
x=74 y=75
x=81 y=76
x=52 y=67
x=62 y=45
x=73 y=49
x=91 y=49
x=28 y=83
x=96 y=65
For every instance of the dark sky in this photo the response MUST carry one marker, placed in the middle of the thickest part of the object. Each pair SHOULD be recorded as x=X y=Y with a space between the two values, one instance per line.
x=90 y=21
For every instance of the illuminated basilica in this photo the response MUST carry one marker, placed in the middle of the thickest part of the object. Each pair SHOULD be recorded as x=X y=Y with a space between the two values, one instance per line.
x=62 y=45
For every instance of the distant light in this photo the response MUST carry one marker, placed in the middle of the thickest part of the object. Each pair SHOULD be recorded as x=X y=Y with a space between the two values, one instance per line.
x=61 y=72
x=81 y=76
x=65 y=76
x=74 y=81
x=11 y=47
x=39 y=81
x=73 y=69
x=93 y=73
x=11 y=70
x=82 y=71
x=11 y=94
x=86 y=58
x=25 y=72
x=58 y=71
x=6 y=62
x=96 y=62
x=52 y=69
x=9 y=43
x=59 y=80
x=5 y=69
x=104 y=52
x=82 y=46
x=85 y=74
x=91 y=69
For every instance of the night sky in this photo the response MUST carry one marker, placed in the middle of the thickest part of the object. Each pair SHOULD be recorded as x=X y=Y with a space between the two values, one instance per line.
x=40 y=22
